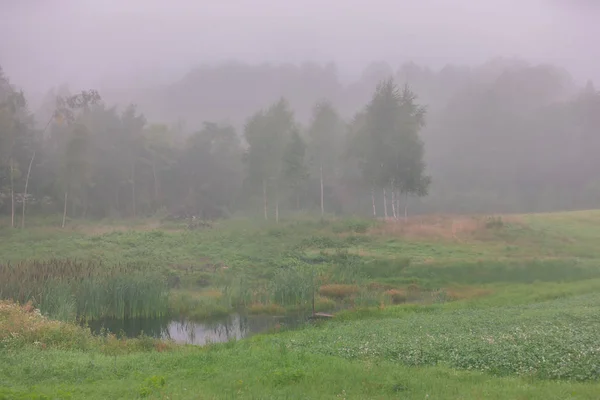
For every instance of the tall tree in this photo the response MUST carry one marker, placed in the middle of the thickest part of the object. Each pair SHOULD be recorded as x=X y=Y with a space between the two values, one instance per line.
x=76 y=146
x=295 y=171
x=387 y=142
x=133 y=128
x=158 y=146
x=267 y=133
x=208 y=171
x=16 y=136
x=325 y=133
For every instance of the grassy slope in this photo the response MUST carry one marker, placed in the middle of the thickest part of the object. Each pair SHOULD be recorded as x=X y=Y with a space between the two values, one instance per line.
x=530 y=304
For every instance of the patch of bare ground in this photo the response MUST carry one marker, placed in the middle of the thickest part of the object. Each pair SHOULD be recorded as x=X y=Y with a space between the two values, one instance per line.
x=449 y=227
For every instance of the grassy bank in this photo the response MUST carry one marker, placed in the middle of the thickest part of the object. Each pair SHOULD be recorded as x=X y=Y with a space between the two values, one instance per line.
x=438 y=307
x=546 y=351
x=260 y=267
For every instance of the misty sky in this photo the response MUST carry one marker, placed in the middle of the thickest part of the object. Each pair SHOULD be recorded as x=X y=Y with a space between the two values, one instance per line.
x=85 y=42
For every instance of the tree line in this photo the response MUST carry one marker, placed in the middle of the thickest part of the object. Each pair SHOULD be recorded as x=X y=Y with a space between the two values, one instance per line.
x=505 y=136
x=95 y=160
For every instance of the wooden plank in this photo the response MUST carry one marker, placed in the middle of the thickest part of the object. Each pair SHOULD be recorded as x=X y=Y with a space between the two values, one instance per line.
x=322 y=315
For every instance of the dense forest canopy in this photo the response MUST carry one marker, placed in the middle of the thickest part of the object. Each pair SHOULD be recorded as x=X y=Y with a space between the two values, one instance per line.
x=505 y=136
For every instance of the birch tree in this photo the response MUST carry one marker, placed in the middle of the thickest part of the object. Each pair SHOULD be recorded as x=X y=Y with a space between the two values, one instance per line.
x=267 y=133
x=324 y=133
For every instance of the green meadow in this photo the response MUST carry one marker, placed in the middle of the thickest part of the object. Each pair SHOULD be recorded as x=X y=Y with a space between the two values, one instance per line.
x=436 y=307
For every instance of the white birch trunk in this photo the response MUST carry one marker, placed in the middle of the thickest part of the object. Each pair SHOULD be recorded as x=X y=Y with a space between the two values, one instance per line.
x=25 y=194
x=373 y=201
x=385 y=213
x=64 y=220
x=394 y=214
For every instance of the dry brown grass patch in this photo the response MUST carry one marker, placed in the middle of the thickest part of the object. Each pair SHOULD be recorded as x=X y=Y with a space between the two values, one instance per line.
x=338 y=291
x=25 y=325
x=212 y=293
x=445 y=227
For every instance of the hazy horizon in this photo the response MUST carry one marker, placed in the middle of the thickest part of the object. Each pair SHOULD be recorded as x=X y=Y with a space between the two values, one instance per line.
x=85 y=43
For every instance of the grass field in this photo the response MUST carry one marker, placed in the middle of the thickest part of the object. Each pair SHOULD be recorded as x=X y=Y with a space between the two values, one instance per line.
x=438 y=307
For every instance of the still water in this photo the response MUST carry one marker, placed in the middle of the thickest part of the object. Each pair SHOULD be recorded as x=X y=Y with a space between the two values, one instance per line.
x=235 y=326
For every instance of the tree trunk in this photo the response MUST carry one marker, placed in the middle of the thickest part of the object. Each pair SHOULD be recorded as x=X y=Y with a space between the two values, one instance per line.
x=25 y=194
x=385 y=213
x=133 y=188
x=265 y=199
x=373 y=202
x=322 y=197
x=394 y=214
x=64 y=220
x=12 y=194
x=406 y=207
x=398 y=202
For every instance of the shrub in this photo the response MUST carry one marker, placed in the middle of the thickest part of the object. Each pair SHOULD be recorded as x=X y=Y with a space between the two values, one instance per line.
x=322 y=242
x=25 y=325
x=397 y=296
x=413 y=291
x=350 y=225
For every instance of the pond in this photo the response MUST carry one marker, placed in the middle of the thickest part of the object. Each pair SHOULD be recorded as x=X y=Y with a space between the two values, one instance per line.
x=235 y=326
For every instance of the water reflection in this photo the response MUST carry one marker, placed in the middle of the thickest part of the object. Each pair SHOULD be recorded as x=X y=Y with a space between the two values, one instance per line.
x=235 y=326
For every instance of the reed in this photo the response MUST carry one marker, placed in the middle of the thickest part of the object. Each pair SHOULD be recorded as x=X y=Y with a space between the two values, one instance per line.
x=69 y=289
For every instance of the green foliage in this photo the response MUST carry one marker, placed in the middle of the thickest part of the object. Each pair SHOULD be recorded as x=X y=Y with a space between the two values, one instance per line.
x=500 y=313
x=351 y=225
x=152 y=384
x=553 y=340
x=66 y=289
x=295 y=172
x=387 y=145
x=293 y=285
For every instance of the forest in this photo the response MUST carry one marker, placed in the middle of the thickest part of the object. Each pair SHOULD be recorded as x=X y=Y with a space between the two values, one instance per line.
x=504 y=136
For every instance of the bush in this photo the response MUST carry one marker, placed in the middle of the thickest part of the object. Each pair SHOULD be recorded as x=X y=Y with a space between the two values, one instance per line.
x=25 y=325
x=350 y=225
x=397 y=296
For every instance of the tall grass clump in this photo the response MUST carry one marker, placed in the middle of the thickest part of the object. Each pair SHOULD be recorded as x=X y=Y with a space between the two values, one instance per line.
x=293 y=285
x=67 y=289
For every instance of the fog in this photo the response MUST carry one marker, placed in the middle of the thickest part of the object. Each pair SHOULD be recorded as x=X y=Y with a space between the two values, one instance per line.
x=141 y=42
x=215 y=108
